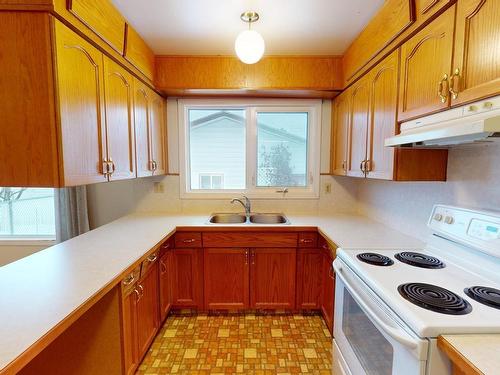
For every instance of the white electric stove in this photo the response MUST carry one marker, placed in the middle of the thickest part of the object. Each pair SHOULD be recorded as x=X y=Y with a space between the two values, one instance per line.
x=392 y=304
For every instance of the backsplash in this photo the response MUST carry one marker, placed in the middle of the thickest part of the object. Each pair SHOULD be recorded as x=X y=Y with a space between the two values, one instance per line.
x=473 y=181
x=110 y=201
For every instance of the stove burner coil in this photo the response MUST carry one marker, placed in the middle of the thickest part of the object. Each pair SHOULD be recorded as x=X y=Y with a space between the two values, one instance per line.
x=485 y=295
x=435 y=298
x=375 y=259
x=419 y=260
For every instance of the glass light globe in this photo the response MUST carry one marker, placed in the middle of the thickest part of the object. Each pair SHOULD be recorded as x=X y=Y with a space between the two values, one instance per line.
x=249 y=46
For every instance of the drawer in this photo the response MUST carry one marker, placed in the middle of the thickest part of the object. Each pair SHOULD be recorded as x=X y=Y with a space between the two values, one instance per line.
x=249 y=239
x=188 y=239
x=129 y=281
x=149 y=261
x=308 y=239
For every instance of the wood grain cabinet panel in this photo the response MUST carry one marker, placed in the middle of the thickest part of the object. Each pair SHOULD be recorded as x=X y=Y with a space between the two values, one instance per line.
x=425 y=68
x=166 y=272
x=425 y=8
x=158 y=134
x=476 y=63
x=188 y=278
x=80 y=82
x=383 y=105
x=309 y=278
x=226 y=278
x=250 y=239
x=103 y=18
x=142 y=109
x=327 y=294
x=340 y=134
x=129 y=332
x=138 y=53
x=359 y=115
x=119 y=121
x=272 y=278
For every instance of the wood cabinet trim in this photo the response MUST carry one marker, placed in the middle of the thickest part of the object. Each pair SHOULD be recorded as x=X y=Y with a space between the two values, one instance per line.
x=457 y=358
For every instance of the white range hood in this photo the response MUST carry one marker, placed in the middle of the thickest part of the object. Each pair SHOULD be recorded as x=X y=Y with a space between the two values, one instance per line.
x=471 y=124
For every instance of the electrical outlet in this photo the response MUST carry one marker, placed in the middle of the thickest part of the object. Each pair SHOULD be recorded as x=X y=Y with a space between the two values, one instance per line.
x=328 y=188
x=158 y=187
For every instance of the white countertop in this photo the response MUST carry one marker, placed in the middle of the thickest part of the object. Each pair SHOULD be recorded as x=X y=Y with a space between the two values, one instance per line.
x=41 y=290
x=481 y=351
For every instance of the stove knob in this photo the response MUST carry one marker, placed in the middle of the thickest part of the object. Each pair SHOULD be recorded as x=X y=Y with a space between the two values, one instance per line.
x=449 y=220
x=438 y=217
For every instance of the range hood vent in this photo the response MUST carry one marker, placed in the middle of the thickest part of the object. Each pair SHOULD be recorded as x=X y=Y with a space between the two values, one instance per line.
x=477 y=123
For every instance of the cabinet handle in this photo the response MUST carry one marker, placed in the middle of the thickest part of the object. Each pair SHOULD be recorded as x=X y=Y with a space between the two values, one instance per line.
x=152 y=258
x=105 y=167
x=189 y=240
x=344 y=165
x=252 y=254
x=368 y=166
x=441 y=83
x=165 y=246
x=325 y=247
x=246 y=257
x=163 y=267
x=142 y=290
x=456 y=74
x=129 y=280
x=361 y=166
x=137 y=295
x=306 y=240
x=112 y=165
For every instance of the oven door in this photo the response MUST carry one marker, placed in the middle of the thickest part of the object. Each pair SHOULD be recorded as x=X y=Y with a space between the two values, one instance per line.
x=369 y=337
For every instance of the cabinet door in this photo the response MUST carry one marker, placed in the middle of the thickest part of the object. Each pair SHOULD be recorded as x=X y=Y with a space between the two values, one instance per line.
x=340 y=131
x=81 y=108
x=309 y=278
x=383 y=123
x=129 y=321
x=327 y=299
x=158 y=132
x=226 y=278
x=425 y=68
x=272 y=278
x=142 y=109
x=476 y=66
x=147 y=309
x=166 y=278
x=358 y=119
x=119 y=124
x=188 y=278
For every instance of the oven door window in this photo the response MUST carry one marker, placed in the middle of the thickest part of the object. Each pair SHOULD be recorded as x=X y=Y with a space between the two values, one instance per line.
x=372 y=349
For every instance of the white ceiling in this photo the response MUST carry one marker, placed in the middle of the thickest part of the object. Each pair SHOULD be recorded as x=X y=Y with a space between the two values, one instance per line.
x=209 y=27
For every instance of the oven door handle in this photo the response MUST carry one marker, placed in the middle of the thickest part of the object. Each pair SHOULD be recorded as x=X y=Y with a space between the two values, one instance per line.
x=394 y=333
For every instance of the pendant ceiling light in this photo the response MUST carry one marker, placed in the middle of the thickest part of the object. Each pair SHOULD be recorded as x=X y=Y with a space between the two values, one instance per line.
x=249 y=44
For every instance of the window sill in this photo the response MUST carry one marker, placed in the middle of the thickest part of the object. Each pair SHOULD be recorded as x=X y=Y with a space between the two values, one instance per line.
x=27 y=242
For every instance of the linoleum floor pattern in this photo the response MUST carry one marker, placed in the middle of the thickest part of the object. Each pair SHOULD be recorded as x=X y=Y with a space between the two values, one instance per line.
x=240 y=344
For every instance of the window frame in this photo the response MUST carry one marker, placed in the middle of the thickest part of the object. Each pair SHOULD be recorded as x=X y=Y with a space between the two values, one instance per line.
x=252 y=106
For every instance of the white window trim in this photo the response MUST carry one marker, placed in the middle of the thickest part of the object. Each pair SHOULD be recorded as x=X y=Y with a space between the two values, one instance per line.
x=311 y=106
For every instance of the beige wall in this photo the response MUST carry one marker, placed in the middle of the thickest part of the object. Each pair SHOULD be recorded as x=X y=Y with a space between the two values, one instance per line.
x=473 y=181
x=11 y=253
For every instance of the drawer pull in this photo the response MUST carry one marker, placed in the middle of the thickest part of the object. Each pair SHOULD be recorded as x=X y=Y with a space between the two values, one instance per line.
x=306 y=240
x=152 y=258
x=137 y=295
x=189 y=240
x=129 y=280
x=163 y=267
x=165 y=246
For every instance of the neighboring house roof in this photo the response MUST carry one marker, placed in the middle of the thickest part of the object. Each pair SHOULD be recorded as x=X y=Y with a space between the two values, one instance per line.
x=240 y=120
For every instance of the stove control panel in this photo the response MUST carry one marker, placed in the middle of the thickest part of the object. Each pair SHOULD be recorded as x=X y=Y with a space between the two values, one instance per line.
x=478 y=229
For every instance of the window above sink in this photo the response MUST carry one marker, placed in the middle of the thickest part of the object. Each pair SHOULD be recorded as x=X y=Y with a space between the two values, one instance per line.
x=259 y=147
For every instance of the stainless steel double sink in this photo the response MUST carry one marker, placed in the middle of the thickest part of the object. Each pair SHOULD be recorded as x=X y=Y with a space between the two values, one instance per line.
x=255 y=218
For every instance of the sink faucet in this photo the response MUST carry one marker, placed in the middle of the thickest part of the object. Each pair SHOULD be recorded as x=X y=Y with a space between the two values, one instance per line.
x=247 y=204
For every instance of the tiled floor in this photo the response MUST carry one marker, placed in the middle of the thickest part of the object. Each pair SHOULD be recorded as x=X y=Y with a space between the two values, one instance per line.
x=246 y=344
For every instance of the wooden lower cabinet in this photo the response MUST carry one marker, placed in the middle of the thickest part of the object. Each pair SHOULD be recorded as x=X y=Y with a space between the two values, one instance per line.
x=327 y=293
x=129 y=332
x=272 y=278
x=226 y=278
x=309 y=278
x=166 y=283
x=187 y=282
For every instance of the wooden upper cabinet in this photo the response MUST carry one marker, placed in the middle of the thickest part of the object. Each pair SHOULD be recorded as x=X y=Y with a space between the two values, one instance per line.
x=425 y=68
x=138 y=53
x=383 y=104
x=359 y=113
x=158 y=131
x=393 y=18
x=119 y=121
x=142 y=109
x=340 y=134
x=226 y=278
x=103 y=18
x=81 y=108
x=476 y=62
